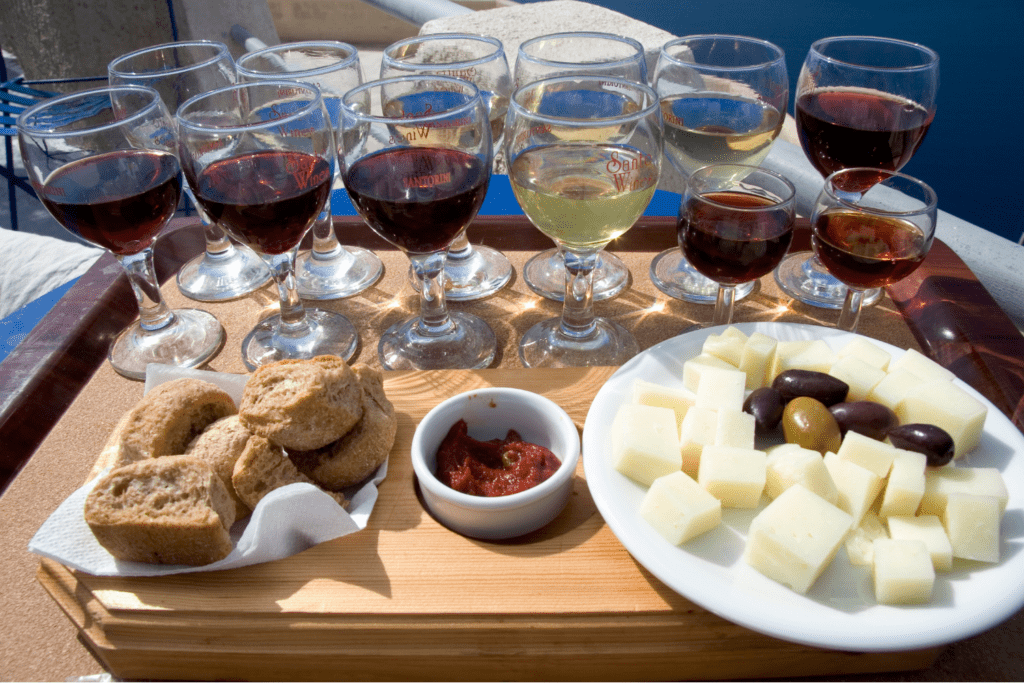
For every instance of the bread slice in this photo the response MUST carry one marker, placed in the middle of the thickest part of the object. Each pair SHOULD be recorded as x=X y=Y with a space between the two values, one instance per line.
x=264 y=467
x=220 y=445
x=168 y=510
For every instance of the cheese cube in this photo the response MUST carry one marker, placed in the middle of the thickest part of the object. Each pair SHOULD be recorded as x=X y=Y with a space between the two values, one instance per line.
x=790 y=464
x=870 y=454
x=941 y=482
x=734 y=428
x=734 y=476
x=860 y=541
x=806 y=355
x=784 y=353
x=719 y=388
x=696 y=432
x=859 y=375
x=926 y=528
x=891 y=389
x=645 y=444
x=972 y=525
x=728 y=349
x=679 y=508
x=868 y=352
x=905 y=486
x=857 y=487
x=942 y=403
x=652 y=394
x=756 y=360
x=795 y=537
x=922 y=366
x=903 y=572
x=693 y=368
x=735 y=333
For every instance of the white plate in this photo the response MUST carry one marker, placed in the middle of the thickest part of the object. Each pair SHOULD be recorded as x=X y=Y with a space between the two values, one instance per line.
x=839 y=612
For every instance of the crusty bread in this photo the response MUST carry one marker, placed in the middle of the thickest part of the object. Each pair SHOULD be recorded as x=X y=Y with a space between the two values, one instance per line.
x=302 y=404
x=220 y=445
x=359 y=453
x=167 y=510
x=264 y=467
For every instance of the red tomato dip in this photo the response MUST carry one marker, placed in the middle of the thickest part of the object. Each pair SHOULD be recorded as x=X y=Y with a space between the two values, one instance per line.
x=492 y=468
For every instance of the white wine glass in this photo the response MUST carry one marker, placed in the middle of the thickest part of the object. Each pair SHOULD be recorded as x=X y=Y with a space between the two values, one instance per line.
x=329 y=270
x=583 y=170
x=723 y=101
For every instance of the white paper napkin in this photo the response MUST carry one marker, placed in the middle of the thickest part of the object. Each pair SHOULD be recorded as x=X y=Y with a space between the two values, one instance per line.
x=287 y=521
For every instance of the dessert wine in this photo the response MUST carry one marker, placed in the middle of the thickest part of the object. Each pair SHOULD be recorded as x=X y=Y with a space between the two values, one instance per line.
x=733 y=246
x=118 y=200
x=418 y=198
x=867 y=251
x=266 y=200
x=583 y=195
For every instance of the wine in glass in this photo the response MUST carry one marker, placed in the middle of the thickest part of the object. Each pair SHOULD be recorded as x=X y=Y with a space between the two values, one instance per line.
x=594 y=54
x=583 y=170
x=735 y=225
x=416 y=159
x=723 y=99
x=179 y=71
x=871 y=229
x=329 y=270
x=104 y=163
x=860 y=101
x=471 y=271
x=261 y=160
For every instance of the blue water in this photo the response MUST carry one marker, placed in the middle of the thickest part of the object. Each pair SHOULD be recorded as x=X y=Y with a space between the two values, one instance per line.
x=973 y=151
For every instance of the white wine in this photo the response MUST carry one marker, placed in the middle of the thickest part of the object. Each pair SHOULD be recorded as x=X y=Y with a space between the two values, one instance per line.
x=716 y=128
x=583 y=195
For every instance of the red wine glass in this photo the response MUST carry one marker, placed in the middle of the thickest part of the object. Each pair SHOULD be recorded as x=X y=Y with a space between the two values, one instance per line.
x=871 y=229
x=860 y=102
x=416 y=160
x=105 y=164
x=260 y=158
x=735 y=225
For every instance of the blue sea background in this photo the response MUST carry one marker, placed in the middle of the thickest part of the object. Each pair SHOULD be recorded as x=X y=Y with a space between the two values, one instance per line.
x=973 y=151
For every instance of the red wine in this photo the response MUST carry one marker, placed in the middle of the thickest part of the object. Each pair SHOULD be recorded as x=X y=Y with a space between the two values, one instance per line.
x=867 y=251
x=118 y=200
x=847 y=128
x=732 y=247
x=266 y=200
x=418 y=198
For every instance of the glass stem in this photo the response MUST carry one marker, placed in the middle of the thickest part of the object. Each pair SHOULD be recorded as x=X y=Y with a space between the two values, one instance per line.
x=293 y=315
x=850 y=315
x=218 y=244
x=578 y=307
x=154 y=314
x=325 y=241
x=724 y=305
x=461 y=248
x=429 y=272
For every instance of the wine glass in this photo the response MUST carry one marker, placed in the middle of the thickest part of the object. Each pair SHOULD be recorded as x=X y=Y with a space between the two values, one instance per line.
x=860 y=101
x=416 y=159
x=595 y=54
x=329 y=270
x=584 y=158
x=735 y=225
x=723 y=99
x=104 y=163
x=178 y=71
x=871 y=228
x=261 y=160
x=471 y=271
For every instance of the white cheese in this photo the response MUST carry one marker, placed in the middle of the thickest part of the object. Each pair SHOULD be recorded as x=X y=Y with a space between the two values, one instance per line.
x=941 y=482
x=756 y=360
x=859 y=542
x=693 y=368
x=942 y=403
x=891 y=389
x=870 y=454
x=858 y=487
x=719 y=388
x=926 y=528
x=645 y=444
x=805 y=355
x=696 y=432
x=859 y=375
x=972 y=525
x=726 y=348
x=867 y=351
x=734 y=428
x=903 y=572
x=735 y=476
x=790 y=464
x=653 y=394
x=679 y=508
x=905 y=486
x=922 y=366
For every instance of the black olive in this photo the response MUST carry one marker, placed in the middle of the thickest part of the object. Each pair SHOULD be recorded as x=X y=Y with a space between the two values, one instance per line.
x=871 y=419
x=766 y=405
x=817 y=385
x=935 y=442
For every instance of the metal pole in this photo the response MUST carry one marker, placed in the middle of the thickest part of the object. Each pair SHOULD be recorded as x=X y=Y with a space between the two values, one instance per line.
x=419 y=12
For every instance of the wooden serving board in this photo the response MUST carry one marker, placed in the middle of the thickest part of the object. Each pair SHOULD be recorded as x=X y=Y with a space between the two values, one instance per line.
x=408 y=599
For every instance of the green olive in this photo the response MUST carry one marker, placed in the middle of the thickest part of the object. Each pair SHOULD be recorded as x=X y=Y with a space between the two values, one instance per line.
x=809 y=424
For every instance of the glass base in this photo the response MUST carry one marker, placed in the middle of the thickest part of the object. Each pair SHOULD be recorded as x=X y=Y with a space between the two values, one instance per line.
x=345 y=273
x=803 y=277
x=673 y=275
x=545 y=346
x=407 y=346
x=188 y=341
x=230 y=274
x=545 y=275
x=475 y=273
x=326 y=333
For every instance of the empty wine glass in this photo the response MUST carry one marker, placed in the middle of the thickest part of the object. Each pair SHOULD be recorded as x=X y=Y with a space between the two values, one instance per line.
x=179 y=71
x=723 y=100
x=592 y=54
x=416 y=160
x=329 y=270
x=860 y=101
x=871 y=229
x=584 y=158
x=104 y=163
x=735 y=225
x=471 y=271
x=261 y=160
